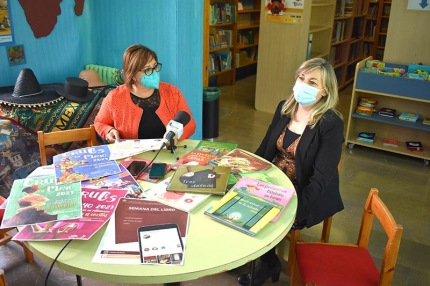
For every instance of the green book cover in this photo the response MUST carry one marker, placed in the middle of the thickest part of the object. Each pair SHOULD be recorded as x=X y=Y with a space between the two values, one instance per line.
x=243 y=211
x=217 y=148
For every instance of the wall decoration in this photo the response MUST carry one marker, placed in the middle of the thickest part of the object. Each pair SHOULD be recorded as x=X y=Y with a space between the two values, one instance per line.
x=284 y=11
x=420 y=5
x=6 y=31
x=15 y=55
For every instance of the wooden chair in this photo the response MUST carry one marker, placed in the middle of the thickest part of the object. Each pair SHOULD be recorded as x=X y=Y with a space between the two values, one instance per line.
x=294 y=235
x=73 y=135
x=350 y=264
x=2 y=278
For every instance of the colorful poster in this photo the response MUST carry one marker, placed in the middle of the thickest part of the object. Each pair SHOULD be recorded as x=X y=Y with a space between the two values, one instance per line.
x=15 y=55
x=6 y=27
x=98 y=206
x=84 y=164
x=40 y=199
x=284 y=11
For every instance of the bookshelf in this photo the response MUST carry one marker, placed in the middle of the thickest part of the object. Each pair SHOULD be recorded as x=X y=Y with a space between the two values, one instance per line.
x=231 y=38
x=347 y=39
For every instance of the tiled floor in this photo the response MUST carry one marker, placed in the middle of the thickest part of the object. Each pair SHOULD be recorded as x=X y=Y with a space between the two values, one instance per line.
x=403 y=183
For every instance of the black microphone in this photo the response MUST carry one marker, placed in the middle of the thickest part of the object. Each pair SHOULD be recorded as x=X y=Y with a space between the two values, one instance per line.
x=176 y=126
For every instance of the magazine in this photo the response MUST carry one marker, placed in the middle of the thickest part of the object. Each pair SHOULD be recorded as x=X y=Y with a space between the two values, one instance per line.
x=97 y=207
x=84 y=164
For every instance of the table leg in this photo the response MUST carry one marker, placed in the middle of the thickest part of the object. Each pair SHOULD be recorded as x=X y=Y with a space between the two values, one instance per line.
x=79 y=280
x=251 y=273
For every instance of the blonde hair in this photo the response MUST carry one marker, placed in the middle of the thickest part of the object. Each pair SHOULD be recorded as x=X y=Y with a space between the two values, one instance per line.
x=329 y=82
x=135 y=58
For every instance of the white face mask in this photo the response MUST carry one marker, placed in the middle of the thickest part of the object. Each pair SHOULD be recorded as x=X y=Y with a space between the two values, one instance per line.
x=305 y=94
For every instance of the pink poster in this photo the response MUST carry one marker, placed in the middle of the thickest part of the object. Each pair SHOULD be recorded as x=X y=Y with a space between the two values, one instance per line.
x=97 y=207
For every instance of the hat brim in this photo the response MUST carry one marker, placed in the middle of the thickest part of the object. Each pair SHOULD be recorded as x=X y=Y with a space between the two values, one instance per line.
x=88 y=97
x=47 y=97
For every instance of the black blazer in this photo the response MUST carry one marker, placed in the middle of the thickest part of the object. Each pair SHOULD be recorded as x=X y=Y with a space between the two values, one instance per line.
x=317 y=157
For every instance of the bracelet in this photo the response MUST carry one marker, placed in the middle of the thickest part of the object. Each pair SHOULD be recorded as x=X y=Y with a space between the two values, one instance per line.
x=113 y=128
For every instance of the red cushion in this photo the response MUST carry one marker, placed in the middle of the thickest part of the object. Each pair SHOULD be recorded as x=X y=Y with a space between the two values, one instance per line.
x=325 y=264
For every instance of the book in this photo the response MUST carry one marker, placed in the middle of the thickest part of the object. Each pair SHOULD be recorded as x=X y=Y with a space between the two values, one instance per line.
x=414 y=146
x=271 y=192
x=389 y=112
x=308 y=54
x=123 y=148
x=200 y=179
x=409 y=116
x=390 y=142
x=39 y=199
x=243 y=211
x=214 y=147
x=97 y=207
x=84 y=164
x=241 y=161
x=257 y=175
x=367 y=137
x=179 y=200
x=194 y=157
x=426 y=121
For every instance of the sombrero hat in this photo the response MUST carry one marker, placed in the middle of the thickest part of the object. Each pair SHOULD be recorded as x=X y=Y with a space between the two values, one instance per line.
x=92 y=77
x=76 y=89
x=28 y=92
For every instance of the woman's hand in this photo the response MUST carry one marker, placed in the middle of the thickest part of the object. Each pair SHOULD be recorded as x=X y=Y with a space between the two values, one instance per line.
x=112 y=135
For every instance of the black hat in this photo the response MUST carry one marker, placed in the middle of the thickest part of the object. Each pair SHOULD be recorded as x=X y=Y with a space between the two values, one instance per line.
x=76 y=89
x=28 y=92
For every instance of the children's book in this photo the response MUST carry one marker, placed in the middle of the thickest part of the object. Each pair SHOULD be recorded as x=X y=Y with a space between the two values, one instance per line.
x=390 y=142
x=214 y=147
x=414 y=146
x=257 y=175
x=367 y=137
x=241 y=161
x=243 y=211
x=271 y=192
x=39 y=199
x=180 y=200
x=194 y=157
x=84 y=164
x=409 y=116
x=387 y=112
x=144 y=176
x=97 y=207
x=426 y=121
x=200 y=179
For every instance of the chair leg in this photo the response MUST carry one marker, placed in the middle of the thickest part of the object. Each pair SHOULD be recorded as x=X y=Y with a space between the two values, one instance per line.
x=325 y=234
x=2 y=278
x=296 y=279
x=29 y=256
x=294 y=237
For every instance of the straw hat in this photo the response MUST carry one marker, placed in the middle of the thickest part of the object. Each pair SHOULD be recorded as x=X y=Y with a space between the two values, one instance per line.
x=28 y=92
x=92 y=77
x=76 y=89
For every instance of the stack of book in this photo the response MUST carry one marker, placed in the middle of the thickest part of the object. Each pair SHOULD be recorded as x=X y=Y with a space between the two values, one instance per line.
x=409 y=116
x=367 y=137
x=366 y=106
x=389 y=112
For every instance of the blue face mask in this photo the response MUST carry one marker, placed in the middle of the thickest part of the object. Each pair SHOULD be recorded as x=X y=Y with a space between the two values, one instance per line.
x=151 y=81
x=304 y=94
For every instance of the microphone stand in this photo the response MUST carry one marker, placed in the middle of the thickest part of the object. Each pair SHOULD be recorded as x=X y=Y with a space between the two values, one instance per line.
x=172 y=147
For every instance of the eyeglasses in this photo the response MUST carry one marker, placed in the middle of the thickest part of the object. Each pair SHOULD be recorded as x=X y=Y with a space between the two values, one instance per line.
x=149 y=71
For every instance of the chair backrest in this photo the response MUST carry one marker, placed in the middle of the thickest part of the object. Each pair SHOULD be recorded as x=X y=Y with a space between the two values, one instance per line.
x=375 y=206
x=87 y=134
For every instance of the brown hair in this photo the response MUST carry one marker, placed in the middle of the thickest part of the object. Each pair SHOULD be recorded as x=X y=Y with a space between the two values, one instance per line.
x=135 y=58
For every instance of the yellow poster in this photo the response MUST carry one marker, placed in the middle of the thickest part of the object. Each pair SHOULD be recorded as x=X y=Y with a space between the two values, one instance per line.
x=284 y=11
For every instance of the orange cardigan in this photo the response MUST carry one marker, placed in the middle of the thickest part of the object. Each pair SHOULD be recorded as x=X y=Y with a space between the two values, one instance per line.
x=118 y=111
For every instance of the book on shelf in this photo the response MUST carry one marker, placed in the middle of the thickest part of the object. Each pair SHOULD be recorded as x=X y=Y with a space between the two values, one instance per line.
x=308 y=54
x=39 y=199
x=97 y=207
x=183 y=201
x=194 y=157
x=215 y=147
x=390 y=142
x=409 y=116
x=426 y=121
x=389 y=112
x=241 y=161
x=200 y=179
x=243 y=211
x=367 y=137
x=414 y=146
x=271 y=192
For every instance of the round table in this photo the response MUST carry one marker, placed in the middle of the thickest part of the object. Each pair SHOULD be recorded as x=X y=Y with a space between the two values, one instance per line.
x=211 y=246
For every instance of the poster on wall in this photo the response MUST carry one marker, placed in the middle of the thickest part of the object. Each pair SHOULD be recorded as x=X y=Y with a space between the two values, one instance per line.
x=6 y=31
x=420 y=5
x=15 y=55
x=284 y=11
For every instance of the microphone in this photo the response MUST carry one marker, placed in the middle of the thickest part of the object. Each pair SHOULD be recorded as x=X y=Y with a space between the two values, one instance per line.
x=176 y=126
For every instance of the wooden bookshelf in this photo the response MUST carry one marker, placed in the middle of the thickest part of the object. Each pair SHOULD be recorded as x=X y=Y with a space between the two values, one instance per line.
x=244 y=27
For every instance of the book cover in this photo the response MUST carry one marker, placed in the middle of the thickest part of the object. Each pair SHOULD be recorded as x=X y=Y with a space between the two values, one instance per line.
x=389 y=112
x=426 y=121
x=180 y=200
x=409 y=116
x=243 y=211
x=271 y=192
x=97 y=207
x=194 y=157
x=145 y=174
x=200 y=179
x=84 y=164
x=257 y=175
x=367 y=137
x=39 y=199
x=414 y=146
x=390 y=142
x=241 y=161
x=213 y=147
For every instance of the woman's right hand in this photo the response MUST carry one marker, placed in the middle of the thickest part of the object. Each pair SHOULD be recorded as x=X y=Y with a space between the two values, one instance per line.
x=112 y=135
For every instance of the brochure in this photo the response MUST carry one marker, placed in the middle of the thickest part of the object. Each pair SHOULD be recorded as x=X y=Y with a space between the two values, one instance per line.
x=125 y=148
